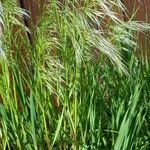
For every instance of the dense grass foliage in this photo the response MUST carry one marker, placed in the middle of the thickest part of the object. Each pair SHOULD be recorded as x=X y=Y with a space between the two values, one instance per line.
x=71 y=89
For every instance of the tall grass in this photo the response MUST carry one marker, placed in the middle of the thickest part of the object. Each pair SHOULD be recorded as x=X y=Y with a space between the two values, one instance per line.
x=71 y=89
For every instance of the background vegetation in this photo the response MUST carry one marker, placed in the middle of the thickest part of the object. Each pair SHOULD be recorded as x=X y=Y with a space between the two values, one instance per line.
x=79 y=85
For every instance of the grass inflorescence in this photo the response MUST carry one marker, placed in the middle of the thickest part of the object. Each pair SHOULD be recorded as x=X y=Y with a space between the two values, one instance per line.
x=79 y=85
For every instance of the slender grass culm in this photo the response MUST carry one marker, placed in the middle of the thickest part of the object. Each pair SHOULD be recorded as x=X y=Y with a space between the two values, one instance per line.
x=79 y=85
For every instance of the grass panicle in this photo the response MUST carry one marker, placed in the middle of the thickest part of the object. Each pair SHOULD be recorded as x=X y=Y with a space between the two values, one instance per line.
x=80 y=85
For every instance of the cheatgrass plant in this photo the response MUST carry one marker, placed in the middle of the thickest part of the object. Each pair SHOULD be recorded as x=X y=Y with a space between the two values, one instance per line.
x=79 y=85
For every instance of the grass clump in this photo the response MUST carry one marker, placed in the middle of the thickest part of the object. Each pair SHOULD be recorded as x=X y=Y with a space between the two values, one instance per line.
x=70 y=89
